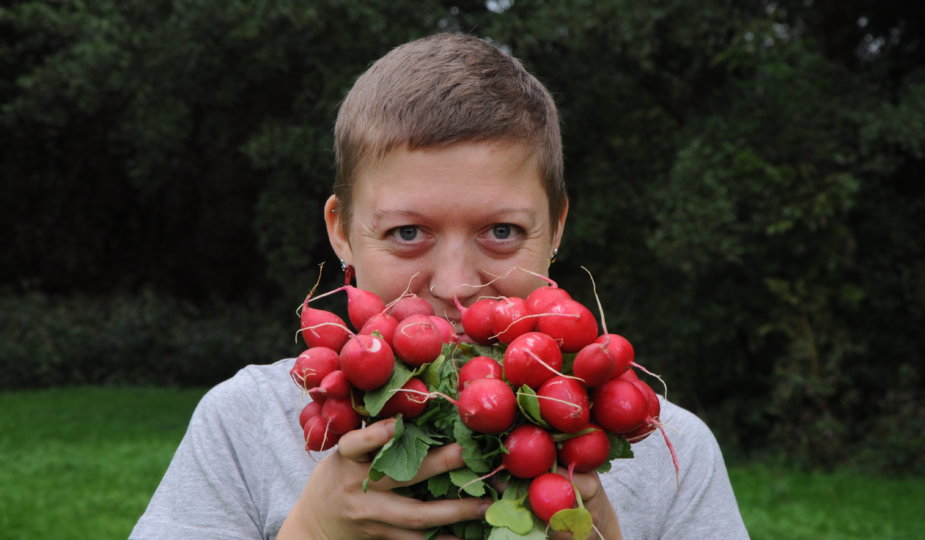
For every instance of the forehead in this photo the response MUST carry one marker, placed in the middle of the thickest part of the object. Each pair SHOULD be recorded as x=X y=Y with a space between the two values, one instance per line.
x=461 y=180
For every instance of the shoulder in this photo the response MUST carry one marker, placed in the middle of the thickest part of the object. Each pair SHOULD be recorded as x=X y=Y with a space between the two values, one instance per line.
x=693 y=501
x=254 y=412
x=252 y=383
x=242 y=435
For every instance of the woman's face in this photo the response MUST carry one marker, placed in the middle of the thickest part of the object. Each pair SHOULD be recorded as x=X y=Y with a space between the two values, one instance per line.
x=454 y=219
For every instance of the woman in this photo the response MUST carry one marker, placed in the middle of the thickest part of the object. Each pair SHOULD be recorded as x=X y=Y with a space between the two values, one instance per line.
x=449 y=175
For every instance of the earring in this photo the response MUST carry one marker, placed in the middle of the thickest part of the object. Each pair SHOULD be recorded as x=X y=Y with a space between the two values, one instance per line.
x=433 y=291
x=348 y=272
x=555 y=255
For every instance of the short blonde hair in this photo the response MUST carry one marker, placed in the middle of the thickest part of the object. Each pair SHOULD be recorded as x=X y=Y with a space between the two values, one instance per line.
x=438 y=91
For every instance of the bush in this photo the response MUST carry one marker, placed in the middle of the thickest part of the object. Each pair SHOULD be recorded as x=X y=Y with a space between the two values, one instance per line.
x=143 y=339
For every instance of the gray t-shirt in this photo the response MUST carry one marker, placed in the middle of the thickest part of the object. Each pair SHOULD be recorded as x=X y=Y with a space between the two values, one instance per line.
x=242 y=465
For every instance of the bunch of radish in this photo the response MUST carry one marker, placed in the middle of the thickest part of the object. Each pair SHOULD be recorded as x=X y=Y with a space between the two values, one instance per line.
x=531 y=388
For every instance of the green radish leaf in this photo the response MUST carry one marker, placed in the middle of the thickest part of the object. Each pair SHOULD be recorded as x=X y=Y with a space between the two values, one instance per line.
x=619 y=447
x=568 y=360
x=375 y=399
x=511 y=514
x=516 y=490
x=472 y=455
x=529 y=404
x=432 y=372
x=495 y=352
x=401 y=457
x=577 y=521
x=374 y=472
x=469 y=530
x=475 y=530
x=439 y=485
x=503 y=533
x=468 y=480
x=559 y=437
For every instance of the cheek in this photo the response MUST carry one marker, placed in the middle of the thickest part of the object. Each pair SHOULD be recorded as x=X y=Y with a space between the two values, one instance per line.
x=519 y=282
x=387 y=279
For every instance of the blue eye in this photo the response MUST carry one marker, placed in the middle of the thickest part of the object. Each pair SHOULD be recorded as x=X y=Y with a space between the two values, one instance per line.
x=408 y=232
x=502 y=231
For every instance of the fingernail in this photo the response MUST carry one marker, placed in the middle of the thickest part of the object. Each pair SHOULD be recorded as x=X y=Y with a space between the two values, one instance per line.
x=389 y=426
x=483 y=508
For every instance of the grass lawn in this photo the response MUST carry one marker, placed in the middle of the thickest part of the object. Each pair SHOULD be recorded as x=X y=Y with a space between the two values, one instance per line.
x=780 y=503
x=81 y=463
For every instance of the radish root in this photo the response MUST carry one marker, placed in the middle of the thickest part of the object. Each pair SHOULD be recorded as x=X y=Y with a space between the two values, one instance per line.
x=656 y=375
x=597 y=299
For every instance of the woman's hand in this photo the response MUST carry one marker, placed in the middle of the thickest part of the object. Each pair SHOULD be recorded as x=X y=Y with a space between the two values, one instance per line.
x=595 y=500
x=334 y=506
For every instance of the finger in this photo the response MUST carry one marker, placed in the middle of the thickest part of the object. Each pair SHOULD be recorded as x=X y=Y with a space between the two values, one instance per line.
x=408 y=513
x=588 y=485
x=359 y=444
x=438 y=461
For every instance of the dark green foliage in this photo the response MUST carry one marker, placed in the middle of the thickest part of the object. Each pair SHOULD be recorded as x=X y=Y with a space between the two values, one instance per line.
x=746 y=183
x=47 y=341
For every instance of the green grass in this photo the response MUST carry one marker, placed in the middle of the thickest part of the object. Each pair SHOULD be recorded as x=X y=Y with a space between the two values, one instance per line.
x=781 y=503
x=79 y=463
x=82 y=463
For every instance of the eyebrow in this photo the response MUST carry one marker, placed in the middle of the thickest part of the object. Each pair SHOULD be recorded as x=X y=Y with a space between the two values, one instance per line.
x=411 y=214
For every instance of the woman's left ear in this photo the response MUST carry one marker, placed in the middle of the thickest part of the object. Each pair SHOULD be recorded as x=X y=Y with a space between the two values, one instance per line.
x=337 y=235
x=557 y=238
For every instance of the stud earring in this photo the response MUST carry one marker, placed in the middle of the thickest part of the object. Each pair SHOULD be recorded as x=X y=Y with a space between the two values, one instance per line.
x=555 y=255
x=343 y=266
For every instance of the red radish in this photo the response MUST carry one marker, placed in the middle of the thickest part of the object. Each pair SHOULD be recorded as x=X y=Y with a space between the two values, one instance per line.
x=361 y=305
x=417 y=340
x=380 y=322
x=334 y=385
x=478 y=367
x=509 y=319
x=609 y=356
x=540 y=299
x=476 y=320
x=549 y=493
x=619 y=407
x=586 y=452
x=651 y=423
x=653 y=411
x=313 y=365
x=487 y=406
x=322 y=328
x=313 y=408
x=447 y=330
x=629 y=375
x=367 y=361
x=532 y=359
x=594 y=364
x=339 y=416
x=572 y=325
x=317 y=436
x=410 y=305
x=564 y=404
x=530 y=451
x=622 y=350
x=408 y=404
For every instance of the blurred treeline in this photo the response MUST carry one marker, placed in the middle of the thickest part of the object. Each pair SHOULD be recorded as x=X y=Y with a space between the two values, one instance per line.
x=746 y=182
